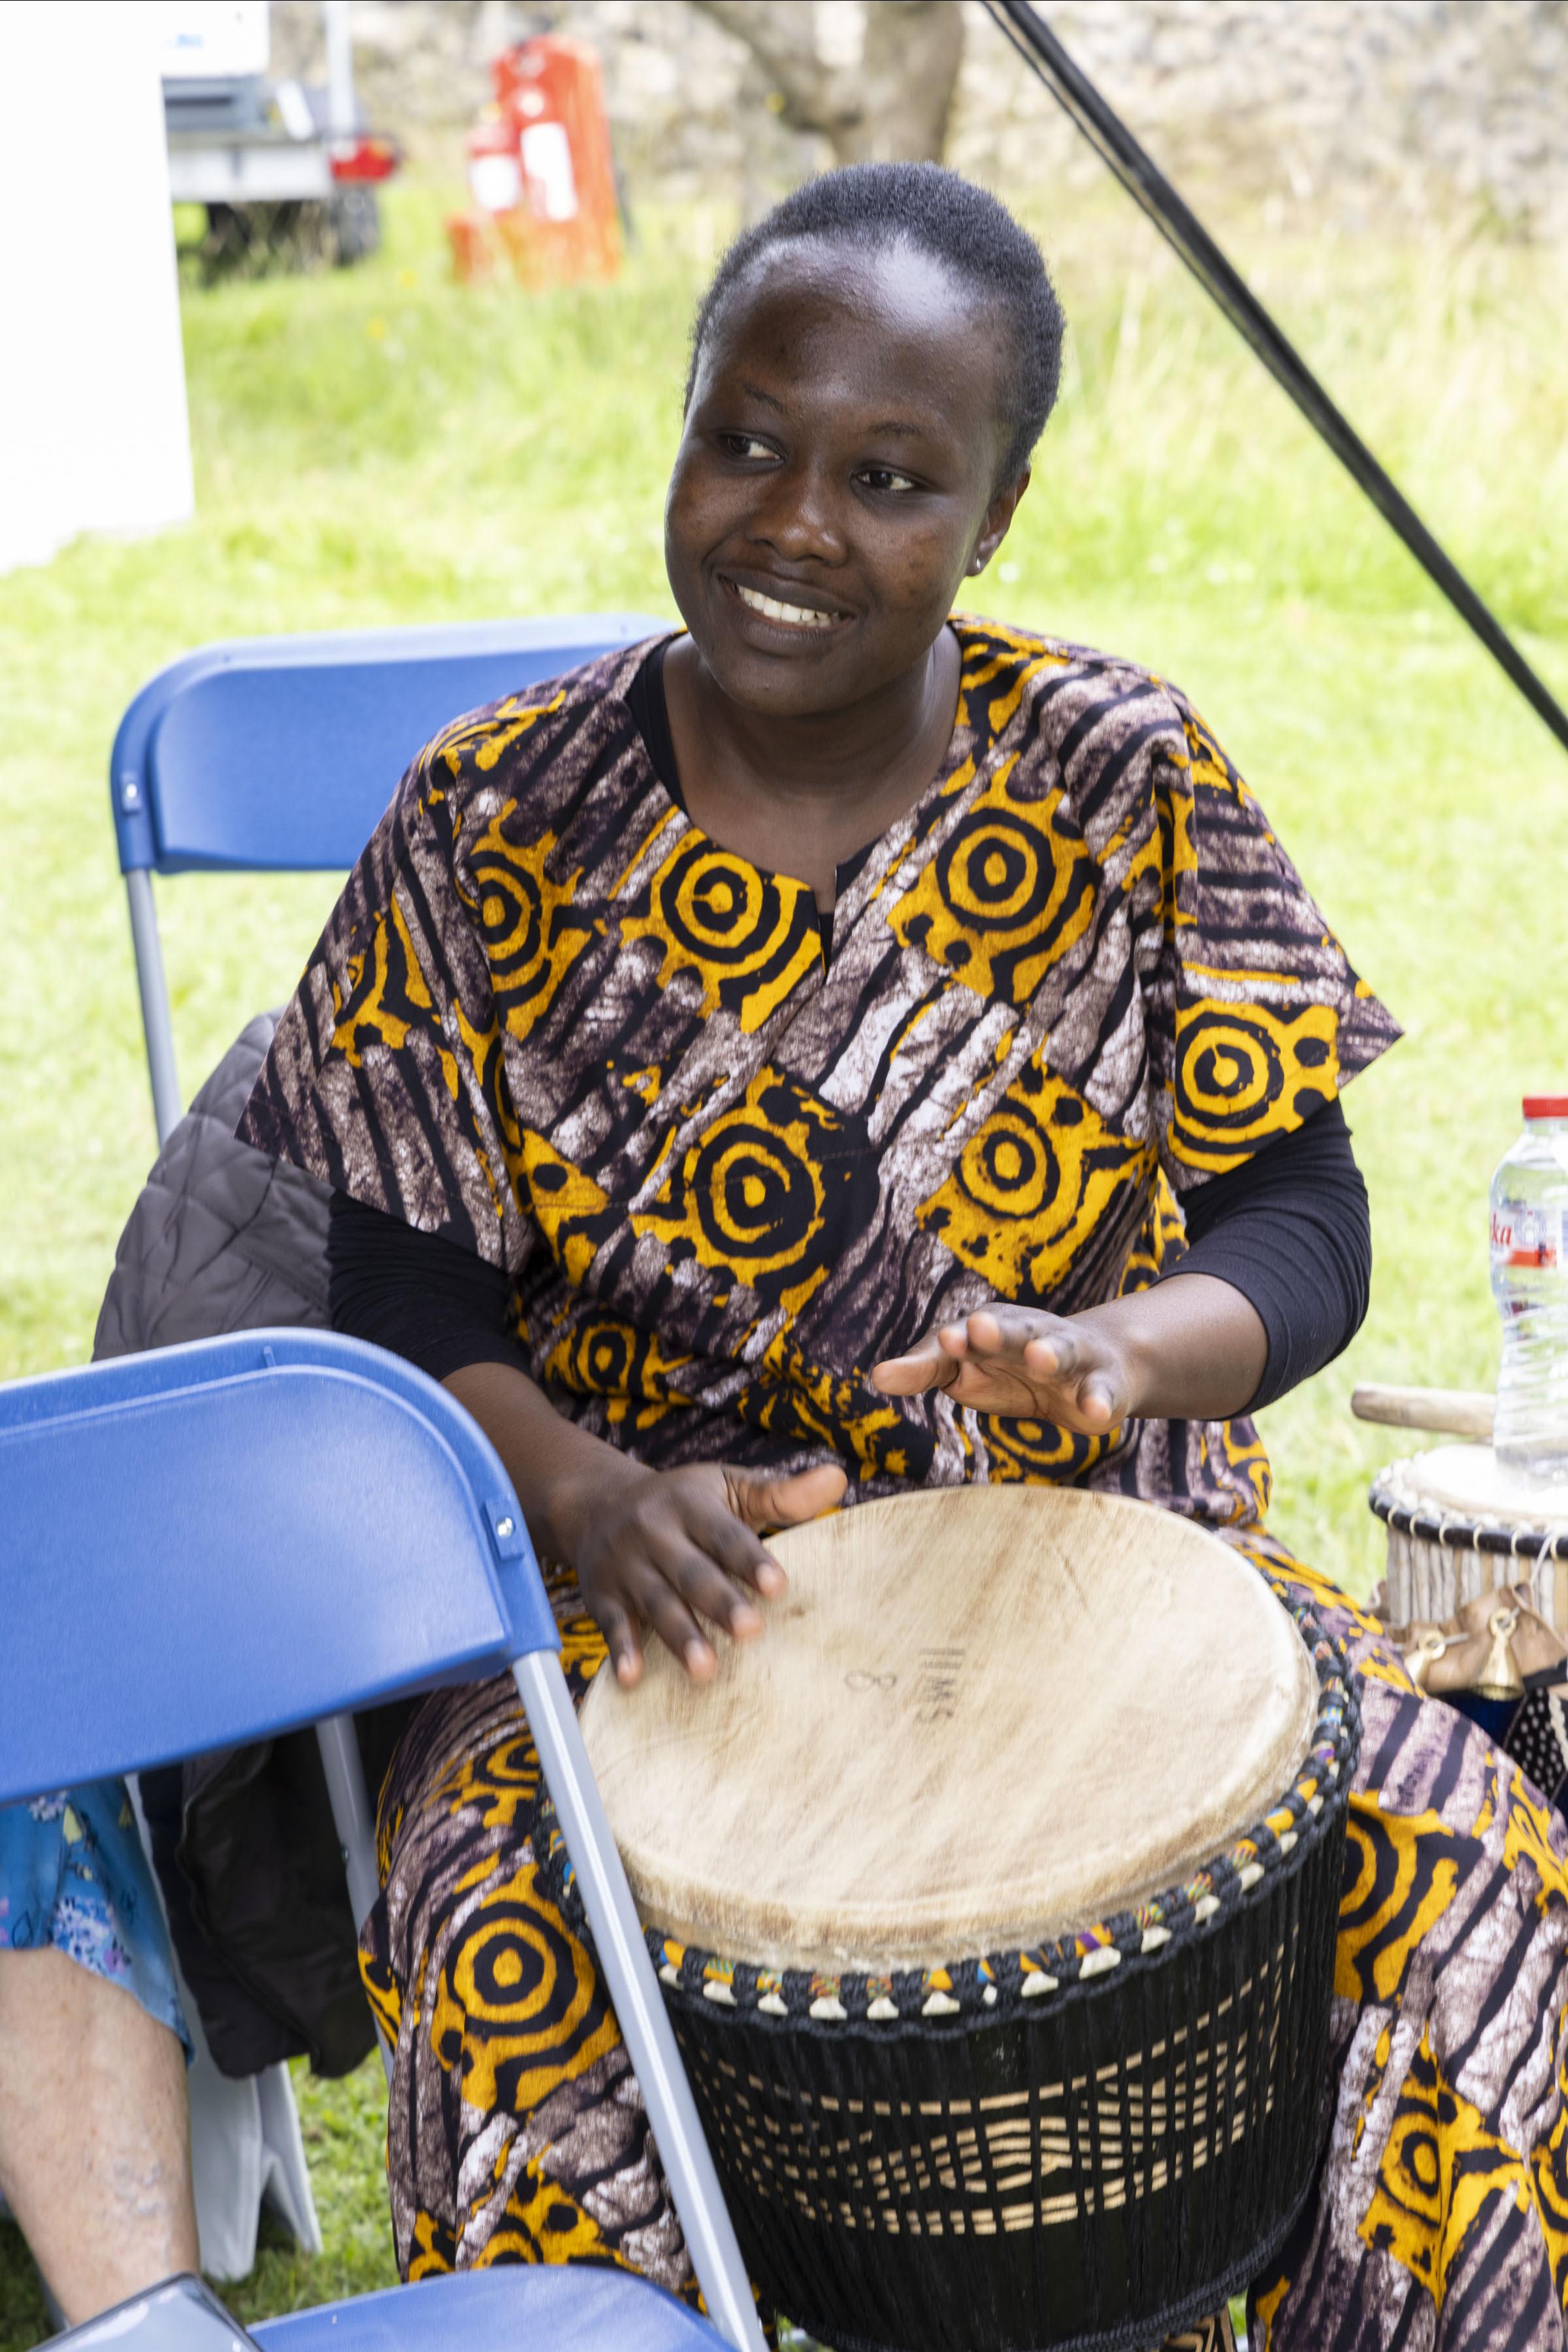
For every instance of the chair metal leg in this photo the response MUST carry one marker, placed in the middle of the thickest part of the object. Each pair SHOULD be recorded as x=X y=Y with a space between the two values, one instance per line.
x=638 y=2004
x=355 y=1822
x=352 y=1816
x=156 y=1025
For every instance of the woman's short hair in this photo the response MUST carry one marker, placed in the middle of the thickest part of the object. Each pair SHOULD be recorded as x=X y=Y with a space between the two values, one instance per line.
x=957 y=224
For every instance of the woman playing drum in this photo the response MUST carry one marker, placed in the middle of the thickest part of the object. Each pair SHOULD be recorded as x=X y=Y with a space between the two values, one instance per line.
x=843 y=1048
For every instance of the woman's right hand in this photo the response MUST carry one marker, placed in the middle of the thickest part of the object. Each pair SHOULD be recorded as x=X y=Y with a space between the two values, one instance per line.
x=667 y=1547
x=659 y=1548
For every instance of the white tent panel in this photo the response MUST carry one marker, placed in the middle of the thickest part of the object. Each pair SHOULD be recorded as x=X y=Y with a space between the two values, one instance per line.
x=93 y=428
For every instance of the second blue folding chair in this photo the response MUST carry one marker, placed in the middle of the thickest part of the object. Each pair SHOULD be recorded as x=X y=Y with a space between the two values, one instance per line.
x=217 y=1542
x=279 y=754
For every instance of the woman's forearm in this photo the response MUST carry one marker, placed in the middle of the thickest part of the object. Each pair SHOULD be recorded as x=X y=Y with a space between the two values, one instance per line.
x=557 y=1470
x=1191 y=1348
x=1195 y=1347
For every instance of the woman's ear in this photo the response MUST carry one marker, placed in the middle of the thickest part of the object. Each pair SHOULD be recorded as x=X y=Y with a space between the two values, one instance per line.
x=998 y=518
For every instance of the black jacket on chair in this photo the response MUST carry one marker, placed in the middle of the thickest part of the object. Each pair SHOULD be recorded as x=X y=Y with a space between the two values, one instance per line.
x=222 y=1239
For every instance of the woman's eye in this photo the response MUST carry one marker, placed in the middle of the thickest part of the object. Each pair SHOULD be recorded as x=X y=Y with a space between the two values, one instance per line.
x=745 y=445
x=884 y=477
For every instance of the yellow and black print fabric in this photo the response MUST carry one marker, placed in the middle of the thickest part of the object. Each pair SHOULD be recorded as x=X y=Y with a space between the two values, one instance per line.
x=1442 y=2217
x=554 y=1020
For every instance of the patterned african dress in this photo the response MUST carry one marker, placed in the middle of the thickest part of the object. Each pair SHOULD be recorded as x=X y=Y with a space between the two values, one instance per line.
x=727 y=1173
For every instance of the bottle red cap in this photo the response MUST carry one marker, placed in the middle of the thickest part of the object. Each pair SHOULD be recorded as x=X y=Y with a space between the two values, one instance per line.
x=1546 y=1106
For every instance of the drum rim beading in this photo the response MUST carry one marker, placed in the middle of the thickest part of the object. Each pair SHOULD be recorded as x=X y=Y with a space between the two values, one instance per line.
x=1003 y=1984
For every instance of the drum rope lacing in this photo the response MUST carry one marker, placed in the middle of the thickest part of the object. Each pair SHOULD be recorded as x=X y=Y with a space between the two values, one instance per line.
x=1014 y=1981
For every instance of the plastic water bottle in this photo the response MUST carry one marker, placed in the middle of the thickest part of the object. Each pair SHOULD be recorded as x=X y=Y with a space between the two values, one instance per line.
x=1529 y=1283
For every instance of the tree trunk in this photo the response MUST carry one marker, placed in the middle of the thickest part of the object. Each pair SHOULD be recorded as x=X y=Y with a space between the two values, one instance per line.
x=891 y=108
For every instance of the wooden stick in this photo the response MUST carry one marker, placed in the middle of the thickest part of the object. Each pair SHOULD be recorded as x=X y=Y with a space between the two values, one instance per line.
x=1447 y=1413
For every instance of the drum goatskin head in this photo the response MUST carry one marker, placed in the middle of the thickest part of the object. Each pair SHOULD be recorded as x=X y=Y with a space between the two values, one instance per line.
x=1471 y=1483
x=979 y=1717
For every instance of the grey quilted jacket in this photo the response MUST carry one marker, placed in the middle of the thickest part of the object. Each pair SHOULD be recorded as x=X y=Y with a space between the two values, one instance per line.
x=222 y=1239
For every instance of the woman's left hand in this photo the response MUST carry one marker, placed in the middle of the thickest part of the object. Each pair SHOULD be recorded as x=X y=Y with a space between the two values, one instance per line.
x=1021 y=1362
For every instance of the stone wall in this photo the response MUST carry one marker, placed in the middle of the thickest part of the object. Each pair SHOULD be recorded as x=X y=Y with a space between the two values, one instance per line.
x=1359 y=111
x=1362 y=112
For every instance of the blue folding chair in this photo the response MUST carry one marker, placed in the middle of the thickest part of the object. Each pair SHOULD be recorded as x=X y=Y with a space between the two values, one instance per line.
x=217 y=1542
x=280 y=754
x=464 y=2311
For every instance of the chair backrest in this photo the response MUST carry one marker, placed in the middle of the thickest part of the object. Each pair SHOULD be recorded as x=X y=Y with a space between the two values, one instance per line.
x=282 y=753
x=212 y=1542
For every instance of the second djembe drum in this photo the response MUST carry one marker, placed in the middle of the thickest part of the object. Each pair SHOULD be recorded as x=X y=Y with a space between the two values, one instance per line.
x=1461 y=1523
x=993 y=1892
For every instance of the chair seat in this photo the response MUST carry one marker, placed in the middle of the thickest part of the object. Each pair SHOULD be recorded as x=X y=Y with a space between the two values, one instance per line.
x=547 y=2307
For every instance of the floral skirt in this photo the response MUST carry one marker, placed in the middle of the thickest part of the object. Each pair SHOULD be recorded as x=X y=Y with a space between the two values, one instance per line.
x=517 y=2131
x=73 y=1875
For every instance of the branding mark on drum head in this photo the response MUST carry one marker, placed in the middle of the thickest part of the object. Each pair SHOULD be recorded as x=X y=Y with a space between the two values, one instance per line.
x=936 y=1698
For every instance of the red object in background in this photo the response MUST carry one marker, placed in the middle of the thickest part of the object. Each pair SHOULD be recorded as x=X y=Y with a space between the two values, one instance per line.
x=473 y=244
x=540 y=169
x=366 y=159
x=495 y=167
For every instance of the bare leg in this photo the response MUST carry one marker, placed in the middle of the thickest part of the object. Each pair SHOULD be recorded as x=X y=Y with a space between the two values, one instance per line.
x=95 y=2158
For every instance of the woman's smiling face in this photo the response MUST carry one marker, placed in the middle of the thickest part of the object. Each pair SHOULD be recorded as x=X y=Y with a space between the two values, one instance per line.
x=837 y=474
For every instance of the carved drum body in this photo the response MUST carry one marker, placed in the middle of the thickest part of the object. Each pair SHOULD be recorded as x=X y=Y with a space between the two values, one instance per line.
x=994 y=1894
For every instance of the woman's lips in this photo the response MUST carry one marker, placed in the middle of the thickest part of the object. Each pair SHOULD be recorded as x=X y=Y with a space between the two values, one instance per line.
x=804 y=619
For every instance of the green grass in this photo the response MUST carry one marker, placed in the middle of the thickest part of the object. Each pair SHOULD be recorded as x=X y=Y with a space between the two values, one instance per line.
x=344 y=2129
x=381 y=447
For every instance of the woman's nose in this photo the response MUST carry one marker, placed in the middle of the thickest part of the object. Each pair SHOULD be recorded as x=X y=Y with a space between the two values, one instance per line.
x=795 y=516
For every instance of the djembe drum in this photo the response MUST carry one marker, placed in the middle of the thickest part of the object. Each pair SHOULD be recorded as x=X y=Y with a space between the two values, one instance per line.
x=994 y=1893
x=1461 y=1523
x=1473 y=1547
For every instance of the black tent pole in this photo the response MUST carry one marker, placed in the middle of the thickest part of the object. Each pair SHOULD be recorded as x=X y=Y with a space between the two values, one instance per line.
x=1109 y=136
